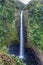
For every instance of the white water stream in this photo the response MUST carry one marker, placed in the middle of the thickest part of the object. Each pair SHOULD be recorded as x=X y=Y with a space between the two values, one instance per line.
x=21 y=36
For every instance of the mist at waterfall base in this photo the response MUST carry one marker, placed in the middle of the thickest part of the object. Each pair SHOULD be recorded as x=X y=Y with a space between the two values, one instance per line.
x=29 y=57
x=19 y=50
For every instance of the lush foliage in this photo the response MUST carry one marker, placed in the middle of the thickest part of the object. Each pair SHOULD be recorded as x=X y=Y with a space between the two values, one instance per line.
x=8 y=31
x=35 y=24
x=7 y=23
x=7 y=59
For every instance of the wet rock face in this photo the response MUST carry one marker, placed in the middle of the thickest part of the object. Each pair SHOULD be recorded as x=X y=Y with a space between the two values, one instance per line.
x=41 y=58
x=17 y=22
x=32 y=58
x=25 y=24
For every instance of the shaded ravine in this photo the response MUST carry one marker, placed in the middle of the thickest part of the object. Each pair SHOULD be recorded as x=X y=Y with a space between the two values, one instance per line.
x=27 y=54
x=30 y=57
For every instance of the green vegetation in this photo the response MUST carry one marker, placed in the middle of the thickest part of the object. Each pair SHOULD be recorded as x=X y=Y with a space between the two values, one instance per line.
x=8 y=31
x=35 y=24
x=7 y=23
x=7 y=59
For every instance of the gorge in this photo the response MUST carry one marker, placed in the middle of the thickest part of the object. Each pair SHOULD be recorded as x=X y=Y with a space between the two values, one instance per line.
x=26 y=54
x=21 y=32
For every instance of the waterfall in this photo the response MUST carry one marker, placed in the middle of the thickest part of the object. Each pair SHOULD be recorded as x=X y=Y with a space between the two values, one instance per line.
x=21 y=36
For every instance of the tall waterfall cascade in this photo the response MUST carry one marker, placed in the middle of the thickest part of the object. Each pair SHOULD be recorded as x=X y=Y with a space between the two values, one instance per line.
x=21 y=36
